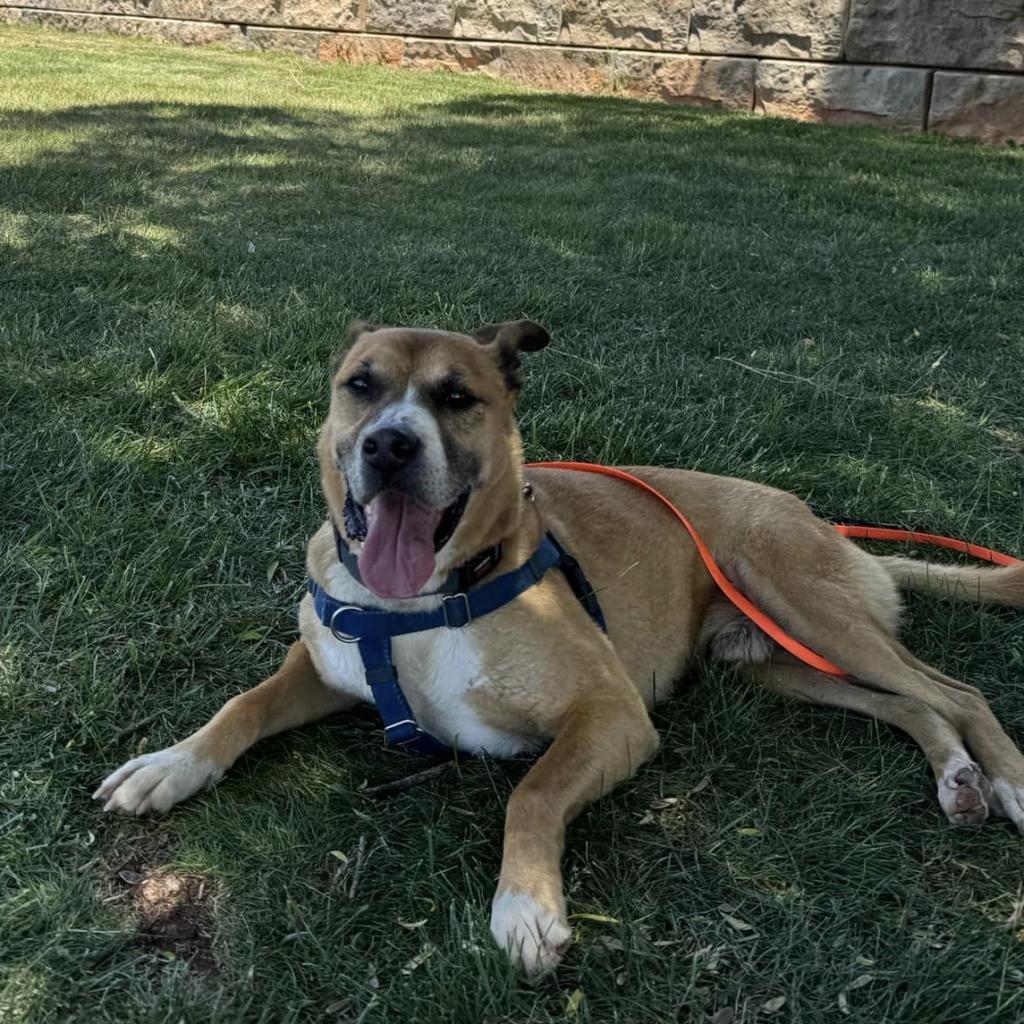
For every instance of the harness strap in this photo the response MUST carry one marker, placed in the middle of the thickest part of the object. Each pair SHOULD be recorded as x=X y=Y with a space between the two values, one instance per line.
x=372 y=631
x=350 y=623
x=400 y=726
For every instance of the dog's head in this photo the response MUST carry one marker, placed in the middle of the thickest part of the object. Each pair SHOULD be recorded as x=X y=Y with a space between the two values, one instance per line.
x=419 y=436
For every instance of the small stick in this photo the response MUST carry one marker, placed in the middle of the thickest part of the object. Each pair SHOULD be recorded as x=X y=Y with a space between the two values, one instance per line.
x=398 y=785
x=140 y=724
x=357 y=868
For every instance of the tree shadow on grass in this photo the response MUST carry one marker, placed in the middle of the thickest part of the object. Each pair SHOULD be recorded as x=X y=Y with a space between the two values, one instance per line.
x=178 y=276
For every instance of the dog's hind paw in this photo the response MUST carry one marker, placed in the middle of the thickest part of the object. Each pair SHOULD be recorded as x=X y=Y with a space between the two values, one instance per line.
x=154 y=783
x=1008 y=802
x=534 y=938
x=964 y=792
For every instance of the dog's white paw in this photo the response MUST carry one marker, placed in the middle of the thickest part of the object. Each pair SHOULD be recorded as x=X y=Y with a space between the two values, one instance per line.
x=964 y=792
x=154 y=783
x=534 y=938
x=1008 y=801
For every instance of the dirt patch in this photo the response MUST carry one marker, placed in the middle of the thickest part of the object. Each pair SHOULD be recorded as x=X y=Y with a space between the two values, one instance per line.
x=171 y=909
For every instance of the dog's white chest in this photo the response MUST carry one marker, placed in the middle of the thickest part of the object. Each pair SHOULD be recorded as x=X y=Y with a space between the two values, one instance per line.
x=437 y=670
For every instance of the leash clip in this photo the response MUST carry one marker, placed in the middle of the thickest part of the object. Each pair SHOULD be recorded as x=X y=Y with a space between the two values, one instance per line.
x=464 y=617
x=345 y=638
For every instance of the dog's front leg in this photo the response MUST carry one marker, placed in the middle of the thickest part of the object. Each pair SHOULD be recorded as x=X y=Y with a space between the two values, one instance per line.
x=600 y=741
x=292 y=696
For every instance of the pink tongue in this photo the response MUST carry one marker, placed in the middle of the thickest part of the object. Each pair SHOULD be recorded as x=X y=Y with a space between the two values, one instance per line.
x=398 y=554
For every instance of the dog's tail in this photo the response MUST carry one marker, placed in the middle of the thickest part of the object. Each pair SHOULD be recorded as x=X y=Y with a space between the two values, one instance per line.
x=998 y=585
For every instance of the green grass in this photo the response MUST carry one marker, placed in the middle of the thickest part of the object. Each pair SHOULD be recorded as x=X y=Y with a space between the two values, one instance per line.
x=183 y=236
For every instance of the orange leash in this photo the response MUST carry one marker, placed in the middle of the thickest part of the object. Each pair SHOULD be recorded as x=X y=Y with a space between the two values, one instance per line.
x=752 y=612
x=858 y=532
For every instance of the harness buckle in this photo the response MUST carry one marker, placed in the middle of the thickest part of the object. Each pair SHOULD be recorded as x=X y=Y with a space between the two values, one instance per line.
x=464 y=616
x=345 y=638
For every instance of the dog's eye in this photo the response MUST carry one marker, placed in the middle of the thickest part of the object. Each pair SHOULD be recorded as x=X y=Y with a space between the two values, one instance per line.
x=360 y=385
x=454 y=397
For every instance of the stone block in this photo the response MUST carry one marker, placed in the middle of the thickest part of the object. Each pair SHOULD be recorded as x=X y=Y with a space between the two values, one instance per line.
x=982 y=34
x=523 y=21
x=976 y=106
x=84 y=6
x=794 y=29
x=410 y=17
x=554 y=68
x=361 y=49
x=301 y=42
x=440 y=55
x=696 y=81
x=344 y=14
x=842 y=93
x=629 y=24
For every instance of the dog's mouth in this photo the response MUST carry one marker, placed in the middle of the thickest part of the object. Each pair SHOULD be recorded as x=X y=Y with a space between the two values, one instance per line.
x=400 y=539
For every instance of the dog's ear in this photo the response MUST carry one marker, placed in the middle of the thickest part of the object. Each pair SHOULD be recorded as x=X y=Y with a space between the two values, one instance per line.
x=509 y=339
x=355 y=329
x=352 y=335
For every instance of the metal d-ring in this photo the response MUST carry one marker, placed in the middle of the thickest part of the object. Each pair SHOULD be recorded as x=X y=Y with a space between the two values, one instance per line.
x=345 y=638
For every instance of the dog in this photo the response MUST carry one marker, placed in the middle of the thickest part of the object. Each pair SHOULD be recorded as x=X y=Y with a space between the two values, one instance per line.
x=421 y=467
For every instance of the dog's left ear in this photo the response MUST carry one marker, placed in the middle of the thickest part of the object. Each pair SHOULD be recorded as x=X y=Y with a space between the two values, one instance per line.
x=509 y=339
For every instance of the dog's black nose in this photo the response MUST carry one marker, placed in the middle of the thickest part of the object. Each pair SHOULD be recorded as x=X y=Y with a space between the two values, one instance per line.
x=389 y=449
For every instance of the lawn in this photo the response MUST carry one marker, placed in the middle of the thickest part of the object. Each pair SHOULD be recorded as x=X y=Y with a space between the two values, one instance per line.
x=183 y=236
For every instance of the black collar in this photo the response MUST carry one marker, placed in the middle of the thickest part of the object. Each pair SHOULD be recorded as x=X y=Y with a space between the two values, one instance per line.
x=458 y=581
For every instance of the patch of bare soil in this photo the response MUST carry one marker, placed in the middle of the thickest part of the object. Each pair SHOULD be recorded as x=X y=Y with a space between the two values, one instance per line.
x=172 y=910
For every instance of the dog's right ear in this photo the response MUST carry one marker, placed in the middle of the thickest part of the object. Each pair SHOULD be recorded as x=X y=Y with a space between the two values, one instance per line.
x=352 y=334
x=355 y=329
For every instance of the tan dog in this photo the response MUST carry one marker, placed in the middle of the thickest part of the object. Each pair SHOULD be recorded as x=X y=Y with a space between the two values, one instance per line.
x=421 y=443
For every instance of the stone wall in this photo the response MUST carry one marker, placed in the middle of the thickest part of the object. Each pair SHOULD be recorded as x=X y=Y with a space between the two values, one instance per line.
x=952 y=66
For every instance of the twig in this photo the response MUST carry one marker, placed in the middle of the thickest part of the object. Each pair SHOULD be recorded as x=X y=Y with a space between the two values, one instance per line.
x=779 y=375
x=140 y=724
x=783 y=377
x=357 y=868
x=398 y=785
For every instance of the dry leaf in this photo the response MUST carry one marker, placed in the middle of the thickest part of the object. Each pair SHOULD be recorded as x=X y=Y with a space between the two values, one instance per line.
x=573 y=1004
x=844 y=1005
x=662 y=802
x=428 y=950
x=749 y=831
x=610 y=942
x=701 y=786
x=861 y=981
x=647 y=819
x=130 y=877
x=723 y=1016
x=340 y=855
x=735 y=922
x=599 y=918
x=412 y=925
x=777 y=1003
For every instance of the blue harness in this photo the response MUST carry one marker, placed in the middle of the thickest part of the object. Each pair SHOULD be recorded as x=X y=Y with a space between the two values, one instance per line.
x=373 y=630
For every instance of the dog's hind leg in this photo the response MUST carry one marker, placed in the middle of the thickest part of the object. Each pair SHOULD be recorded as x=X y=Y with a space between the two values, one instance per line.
x=964 y=792
x=829 y=600
x=292 y=696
